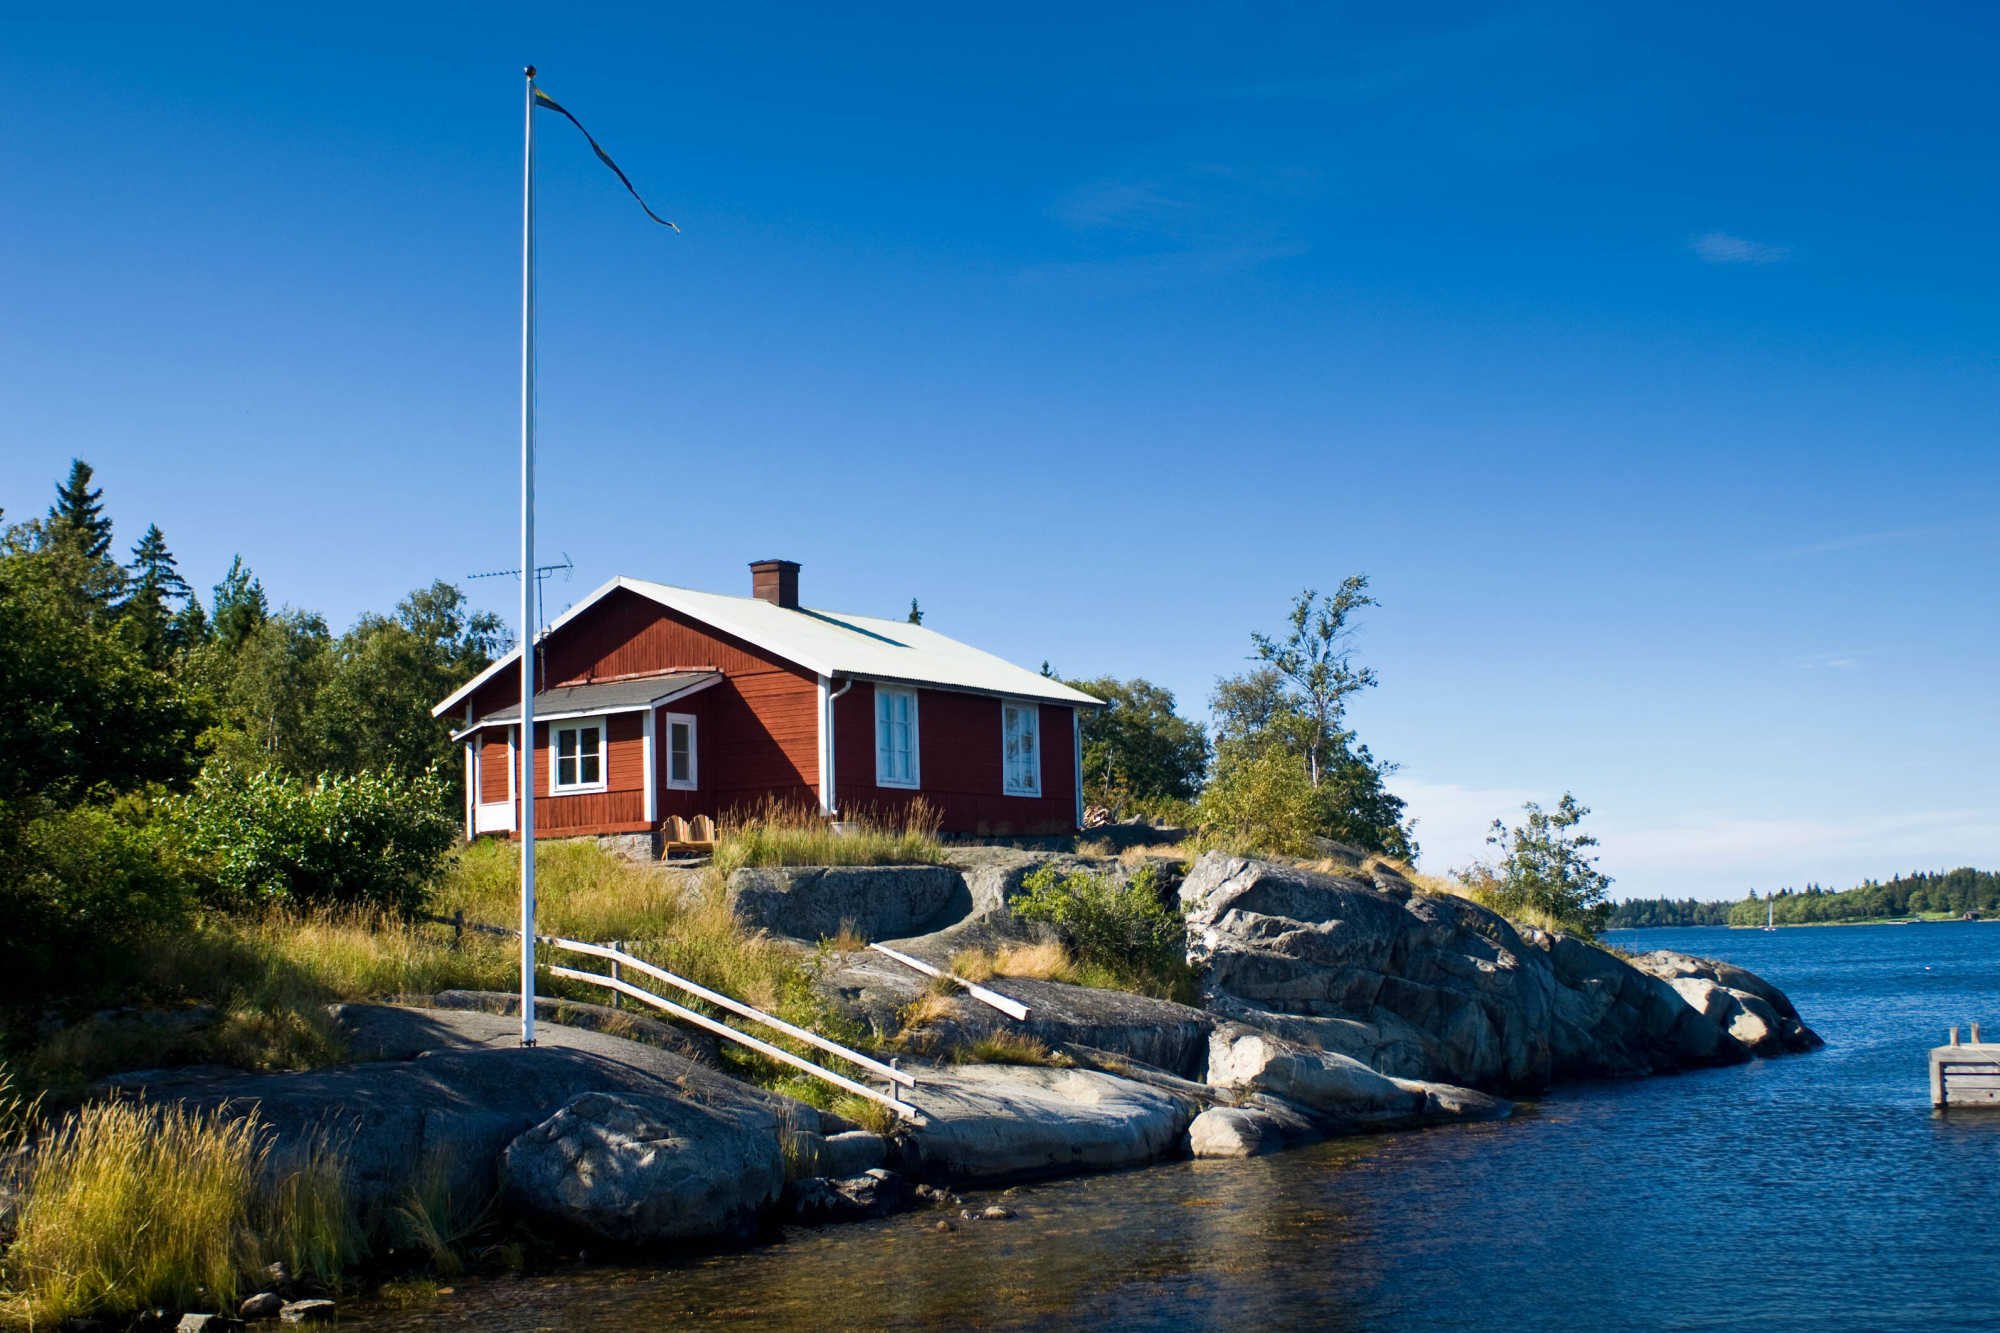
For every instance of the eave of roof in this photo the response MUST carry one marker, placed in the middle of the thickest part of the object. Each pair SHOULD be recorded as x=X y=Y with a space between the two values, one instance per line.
x=601 y=698
x=829 y=644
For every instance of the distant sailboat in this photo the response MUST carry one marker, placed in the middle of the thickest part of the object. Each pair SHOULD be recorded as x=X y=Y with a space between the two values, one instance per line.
x=1770 y=915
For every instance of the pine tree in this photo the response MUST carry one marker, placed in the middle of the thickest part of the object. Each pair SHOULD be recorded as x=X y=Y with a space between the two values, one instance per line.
x=155 y=583
x=916 y=613
x=77 y=518
x=240 y=606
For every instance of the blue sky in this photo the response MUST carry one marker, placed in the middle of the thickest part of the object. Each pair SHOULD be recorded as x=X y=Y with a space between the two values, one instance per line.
x=1645 y=360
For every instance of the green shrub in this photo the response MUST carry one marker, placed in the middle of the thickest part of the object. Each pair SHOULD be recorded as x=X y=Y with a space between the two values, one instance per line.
x=367 y=839
x=76 y=887
x=1266 y=805
x=1122 y=936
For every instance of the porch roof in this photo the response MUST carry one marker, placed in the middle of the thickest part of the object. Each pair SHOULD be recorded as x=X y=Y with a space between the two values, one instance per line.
x=612 y=696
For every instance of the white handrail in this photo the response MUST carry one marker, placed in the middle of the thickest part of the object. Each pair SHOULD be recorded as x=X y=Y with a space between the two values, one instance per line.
x=901 y=1108
x=1014 y=1009
x=755 y=1015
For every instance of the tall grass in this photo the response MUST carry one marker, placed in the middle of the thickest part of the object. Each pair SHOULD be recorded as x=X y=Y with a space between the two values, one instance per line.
x=780 y=834
x=269 y=978
x=677 y=920
x=130 y=1206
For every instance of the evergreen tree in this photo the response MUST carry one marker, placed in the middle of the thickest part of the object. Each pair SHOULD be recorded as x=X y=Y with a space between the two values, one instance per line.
x=916 y=616
x=156 y=582
x=77 y=518
x=240 y=606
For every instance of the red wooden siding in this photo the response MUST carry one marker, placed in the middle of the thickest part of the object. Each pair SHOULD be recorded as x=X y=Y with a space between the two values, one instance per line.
x=756 y=731
x=493 y=765
x=958 y=764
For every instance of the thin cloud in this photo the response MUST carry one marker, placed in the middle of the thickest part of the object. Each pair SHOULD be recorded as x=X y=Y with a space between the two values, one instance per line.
x=1830 y=662
x=1719 y=247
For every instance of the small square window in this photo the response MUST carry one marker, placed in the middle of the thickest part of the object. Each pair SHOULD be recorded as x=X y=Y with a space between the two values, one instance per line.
x=577 y=758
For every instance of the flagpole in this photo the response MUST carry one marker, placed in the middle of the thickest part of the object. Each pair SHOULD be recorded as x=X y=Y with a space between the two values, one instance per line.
x=527 y=637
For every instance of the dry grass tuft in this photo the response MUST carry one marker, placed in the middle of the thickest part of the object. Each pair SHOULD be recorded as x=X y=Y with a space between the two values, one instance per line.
x=780 y=834
x=130 y=1206
x=1044 y=961
x=928 y=1008
x=1003 y=1047
x=846 y=940
x=973 y=965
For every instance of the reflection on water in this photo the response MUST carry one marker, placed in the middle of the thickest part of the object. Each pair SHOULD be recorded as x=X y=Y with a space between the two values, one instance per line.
x=1811 y=1191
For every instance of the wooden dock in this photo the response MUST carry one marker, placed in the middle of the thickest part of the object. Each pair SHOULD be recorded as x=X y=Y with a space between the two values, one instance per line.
x=1965 y=1075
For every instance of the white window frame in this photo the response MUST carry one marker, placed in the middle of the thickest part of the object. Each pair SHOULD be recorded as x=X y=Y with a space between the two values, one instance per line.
x=557 y=730
x=1034 y=712
x=693 y=779
x=882 y=778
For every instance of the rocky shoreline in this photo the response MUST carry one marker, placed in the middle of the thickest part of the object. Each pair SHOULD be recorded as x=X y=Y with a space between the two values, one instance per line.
x=1330 y=1005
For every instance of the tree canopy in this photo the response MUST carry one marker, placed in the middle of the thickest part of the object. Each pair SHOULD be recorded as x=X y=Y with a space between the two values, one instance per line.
x=1293 y=705
x=1137 y=751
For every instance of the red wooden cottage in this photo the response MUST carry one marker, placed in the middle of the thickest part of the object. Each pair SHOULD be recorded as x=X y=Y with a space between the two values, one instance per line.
x=657 y=701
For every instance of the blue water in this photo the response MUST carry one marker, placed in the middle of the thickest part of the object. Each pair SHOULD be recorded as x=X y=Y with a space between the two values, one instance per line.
x=1815 y=1191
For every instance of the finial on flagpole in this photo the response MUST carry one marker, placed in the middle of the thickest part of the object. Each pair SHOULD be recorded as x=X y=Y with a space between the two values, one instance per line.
x=529 y=70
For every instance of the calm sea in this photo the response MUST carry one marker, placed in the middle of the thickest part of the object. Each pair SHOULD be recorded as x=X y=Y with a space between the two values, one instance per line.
x=1815 y=1191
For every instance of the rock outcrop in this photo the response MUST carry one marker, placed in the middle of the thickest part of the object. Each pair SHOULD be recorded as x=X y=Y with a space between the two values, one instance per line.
x=1745 y=1005
x=648 y=1170
x=877 y=902
x=446 y=1091
x=1439 y=988
x=1005 y=1122
x=876 y=990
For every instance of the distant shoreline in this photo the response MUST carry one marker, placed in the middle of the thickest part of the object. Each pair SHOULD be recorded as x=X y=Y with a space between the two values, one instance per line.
x=1811 y=925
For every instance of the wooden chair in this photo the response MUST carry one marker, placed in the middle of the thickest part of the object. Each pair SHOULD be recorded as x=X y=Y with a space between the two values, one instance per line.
x=680 y=835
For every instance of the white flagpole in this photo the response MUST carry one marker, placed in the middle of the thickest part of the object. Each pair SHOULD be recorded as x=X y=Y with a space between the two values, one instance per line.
x=527 y=749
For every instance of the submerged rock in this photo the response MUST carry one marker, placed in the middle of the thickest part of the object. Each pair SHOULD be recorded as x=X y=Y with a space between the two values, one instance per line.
x=642 y=1170
x=1234 y=1131
x=874 y=1193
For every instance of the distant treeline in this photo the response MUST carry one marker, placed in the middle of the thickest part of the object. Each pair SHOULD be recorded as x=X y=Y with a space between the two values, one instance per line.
x=1954 y=892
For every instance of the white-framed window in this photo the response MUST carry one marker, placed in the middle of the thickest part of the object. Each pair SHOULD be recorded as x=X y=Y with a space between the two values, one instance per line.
x=1021 y=747
x=895 y=737
x=681 y=758
x=576 y=756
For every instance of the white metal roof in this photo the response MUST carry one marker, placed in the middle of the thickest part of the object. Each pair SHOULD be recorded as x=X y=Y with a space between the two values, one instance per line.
x=829 y=643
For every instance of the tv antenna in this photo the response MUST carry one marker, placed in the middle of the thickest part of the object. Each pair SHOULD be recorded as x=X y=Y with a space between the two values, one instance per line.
x=542 y=573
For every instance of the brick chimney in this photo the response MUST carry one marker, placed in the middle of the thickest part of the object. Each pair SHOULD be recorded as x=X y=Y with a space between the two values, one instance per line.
x=775 y=581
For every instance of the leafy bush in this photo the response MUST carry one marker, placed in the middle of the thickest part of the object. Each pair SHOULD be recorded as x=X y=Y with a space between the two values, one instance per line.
x=1265 y=805
x=75 y=886
x=1122 y=936
x=367 y=839
x=1546 y=876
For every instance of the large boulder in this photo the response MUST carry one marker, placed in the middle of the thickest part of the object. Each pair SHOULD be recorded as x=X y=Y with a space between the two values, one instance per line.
x=1418 y=987
x=877 y=902
x=1335 y=1092
x=1001 y=1122
x=646 y=1170
x=1442 y=989
x=447 y=1091
x=1749 y=1008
